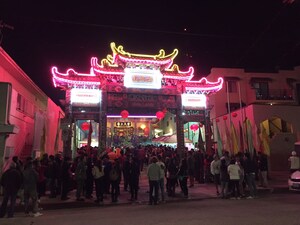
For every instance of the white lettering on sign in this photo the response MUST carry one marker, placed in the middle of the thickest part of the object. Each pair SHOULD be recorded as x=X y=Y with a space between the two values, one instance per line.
x=142 y=78
x=193 y=100
x=85 y=96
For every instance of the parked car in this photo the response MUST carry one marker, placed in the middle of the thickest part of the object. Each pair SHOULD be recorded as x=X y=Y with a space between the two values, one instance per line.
x=294 y=181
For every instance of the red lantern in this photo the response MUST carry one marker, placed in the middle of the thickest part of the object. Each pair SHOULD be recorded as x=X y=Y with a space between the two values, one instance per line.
x=224 y=117
x=160 y=115
x=85 y=126
x=124 y=114
x=194 y=127
x=234 y=114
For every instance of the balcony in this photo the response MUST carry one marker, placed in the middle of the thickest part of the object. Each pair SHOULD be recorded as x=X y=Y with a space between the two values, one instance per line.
x=274 y=94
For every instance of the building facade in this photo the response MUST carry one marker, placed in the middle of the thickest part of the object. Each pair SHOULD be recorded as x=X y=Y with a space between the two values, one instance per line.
x=29 y=119
x=262 y=108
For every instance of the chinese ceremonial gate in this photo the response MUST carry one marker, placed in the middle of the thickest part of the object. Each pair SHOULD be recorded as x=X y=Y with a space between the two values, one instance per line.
x=139 y=84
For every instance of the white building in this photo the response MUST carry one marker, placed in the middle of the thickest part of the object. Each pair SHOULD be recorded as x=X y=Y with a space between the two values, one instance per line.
x=29 y=119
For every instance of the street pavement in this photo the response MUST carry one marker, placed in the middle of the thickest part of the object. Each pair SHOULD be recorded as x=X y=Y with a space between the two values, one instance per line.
x=277 y=184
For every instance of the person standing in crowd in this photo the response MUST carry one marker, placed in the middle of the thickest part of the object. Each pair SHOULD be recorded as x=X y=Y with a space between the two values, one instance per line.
x=197 y=158
x=294 y=162
x=65 y=178
x=107 y=167
x=162 y=177
x=153 y=174
x=234 y=176
x=182 y=177
x=141 y=157
x=208 y=176
x=89 y=182
x=191 y=167
x=115 y=178
x=20 y=168
x=125 y=170
x=133 y=177
x=215 y=171
x=53 y=173
x=172 y=171
x=80 y=176
x=98 y=174
x=31 y=176
x=249 y=170
x=239 y=159
x=41 y=184
x=263 y=169
x=11 y=182
x=224 y=178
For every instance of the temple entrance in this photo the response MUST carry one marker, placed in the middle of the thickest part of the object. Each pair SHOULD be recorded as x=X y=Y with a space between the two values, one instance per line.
x=132 y=99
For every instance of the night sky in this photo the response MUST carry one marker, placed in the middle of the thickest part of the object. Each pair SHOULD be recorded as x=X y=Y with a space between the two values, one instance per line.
x=261 y=36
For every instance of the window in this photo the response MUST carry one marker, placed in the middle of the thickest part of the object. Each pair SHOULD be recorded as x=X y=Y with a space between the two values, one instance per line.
x=232 y=86
x=261 y=90
x=25 y=106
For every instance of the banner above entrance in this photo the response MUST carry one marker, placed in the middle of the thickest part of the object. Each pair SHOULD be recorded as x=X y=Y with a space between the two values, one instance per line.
x=142 y=78
x=85 y=97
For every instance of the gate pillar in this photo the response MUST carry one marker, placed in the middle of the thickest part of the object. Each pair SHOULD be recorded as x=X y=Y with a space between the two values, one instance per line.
x=102 y=122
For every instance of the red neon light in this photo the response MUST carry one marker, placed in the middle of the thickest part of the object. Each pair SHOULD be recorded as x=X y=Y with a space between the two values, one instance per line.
x=71 y=72
x=204 y=81
x=190 y=71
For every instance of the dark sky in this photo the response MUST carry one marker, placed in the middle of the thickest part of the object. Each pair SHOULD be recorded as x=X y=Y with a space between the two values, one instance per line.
x=259 y=35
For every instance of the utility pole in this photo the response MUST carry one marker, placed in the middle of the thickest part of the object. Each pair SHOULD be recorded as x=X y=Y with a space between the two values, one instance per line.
x=4 y=25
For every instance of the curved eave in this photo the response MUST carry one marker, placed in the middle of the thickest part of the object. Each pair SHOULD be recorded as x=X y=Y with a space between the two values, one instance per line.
x=175 y=73
x=72 y=78
x=110 y=71
x=204 y=85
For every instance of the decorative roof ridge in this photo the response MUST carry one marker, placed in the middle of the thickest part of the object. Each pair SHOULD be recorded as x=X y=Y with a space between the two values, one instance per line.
x=161 y=56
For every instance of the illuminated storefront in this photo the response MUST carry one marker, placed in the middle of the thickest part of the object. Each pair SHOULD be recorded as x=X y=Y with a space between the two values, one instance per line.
x=140 y=85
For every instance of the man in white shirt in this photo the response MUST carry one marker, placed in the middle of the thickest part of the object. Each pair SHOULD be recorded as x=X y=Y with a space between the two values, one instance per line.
x=215 y=171
x=161 y=182
x=294 y=162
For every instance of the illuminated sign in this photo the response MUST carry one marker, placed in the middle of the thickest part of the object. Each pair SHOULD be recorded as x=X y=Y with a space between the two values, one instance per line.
x=142 y=78
x=123 y=124
x=193 y=100
x=85 y=97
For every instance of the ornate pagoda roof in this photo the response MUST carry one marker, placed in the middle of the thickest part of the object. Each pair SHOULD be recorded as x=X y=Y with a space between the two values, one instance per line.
x=161 y=59
x=116 y=63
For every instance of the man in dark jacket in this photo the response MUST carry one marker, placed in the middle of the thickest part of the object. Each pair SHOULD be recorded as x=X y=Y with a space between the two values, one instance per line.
x=133 y=175
x=249 y=170
x=11 y=181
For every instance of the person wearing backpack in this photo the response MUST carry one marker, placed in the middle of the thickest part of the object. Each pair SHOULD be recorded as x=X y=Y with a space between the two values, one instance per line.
x=115 y=178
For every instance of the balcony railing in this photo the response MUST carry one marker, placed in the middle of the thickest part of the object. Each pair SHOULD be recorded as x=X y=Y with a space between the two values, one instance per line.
x=274 y=94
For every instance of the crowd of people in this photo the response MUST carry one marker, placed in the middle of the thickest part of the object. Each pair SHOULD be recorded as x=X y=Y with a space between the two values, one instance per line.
x=101 y=175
